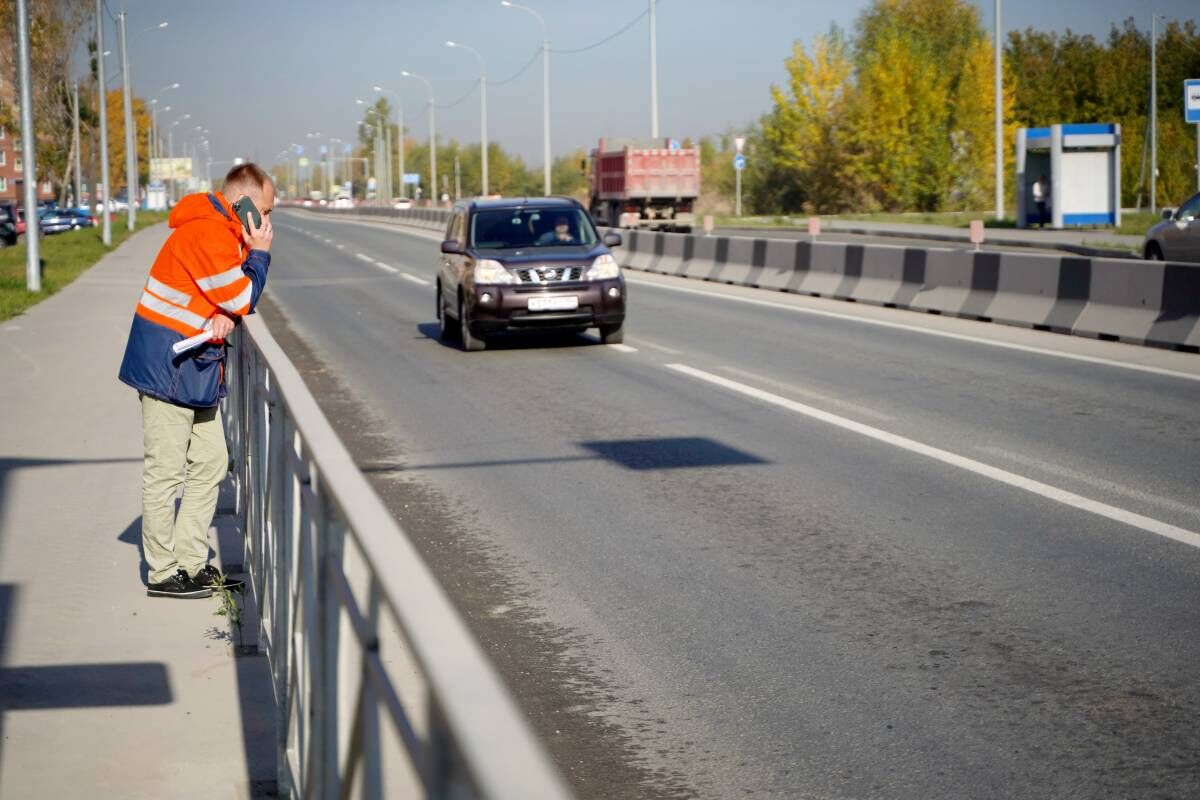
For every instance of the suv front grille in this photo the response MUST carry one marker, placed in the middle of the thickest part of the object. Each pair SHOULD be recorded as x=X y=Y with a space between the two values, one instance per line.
x=537 y=275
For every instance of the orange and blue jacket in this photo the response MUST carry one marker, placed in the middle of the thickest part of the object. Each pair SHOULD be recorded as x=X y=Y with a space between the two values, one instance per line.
x=201 y=270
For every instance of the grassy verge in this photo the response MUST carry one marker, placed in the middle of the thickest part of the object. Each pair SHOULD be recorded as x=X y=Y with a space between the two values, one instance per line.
x=64 y=256
x=1132 y=224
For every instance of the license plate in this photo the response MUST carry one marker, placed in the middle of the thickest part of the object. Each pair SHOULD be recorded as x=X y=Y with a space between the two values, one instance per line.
x=553 y=303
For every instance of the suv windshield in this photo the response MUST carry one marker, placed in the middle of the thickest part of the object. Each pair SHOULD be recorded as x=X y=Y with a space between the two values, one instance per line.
x=505 y=229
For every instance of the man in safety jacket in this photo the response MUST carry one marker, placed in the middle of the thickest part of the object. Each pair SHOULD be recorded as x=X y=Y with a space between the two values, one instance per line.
x=210 y=272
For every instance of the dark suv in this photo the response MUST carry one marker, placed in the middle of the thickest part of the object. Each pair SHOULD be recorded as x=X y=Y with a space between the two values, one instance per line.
x=529 y=264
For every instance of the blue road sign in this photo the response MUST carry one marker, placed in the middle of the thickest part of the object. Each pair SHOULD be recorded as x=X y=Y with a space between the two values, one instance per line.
x=1191 y=100
x=739 y=162
x=673 y=144
x=346 y=149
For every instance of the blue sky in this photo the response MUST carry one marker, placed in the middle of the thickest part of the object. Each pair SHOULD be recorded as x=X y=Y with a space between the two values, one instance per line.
x=261 y=75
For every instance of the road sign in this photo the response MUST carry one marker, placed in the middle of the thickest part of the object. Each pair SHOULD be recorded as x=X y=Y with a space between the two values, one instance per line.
x=739 y=142
x=739 y=162
x=302 y=162
x=411 y=177
x=176 y=169
x=323 y=149
x=673 y=144
x=1191 y=100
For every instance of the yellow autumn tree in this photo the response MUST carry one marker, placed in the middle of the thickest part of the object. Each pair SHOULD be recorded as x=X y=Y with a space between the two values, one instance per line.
x=805 y=133
x=973 y=131
x=116 y=138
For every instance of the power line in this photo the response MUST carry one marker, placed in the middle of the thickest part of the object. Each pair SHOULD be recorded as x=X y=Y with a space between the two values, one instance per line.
x=606 y=39
x=462 y=99
x=519 y=72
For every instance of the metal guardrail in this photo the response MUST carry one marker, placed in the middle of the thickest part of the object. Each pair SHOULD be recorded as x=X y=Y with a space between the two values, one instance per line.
x=353 y=622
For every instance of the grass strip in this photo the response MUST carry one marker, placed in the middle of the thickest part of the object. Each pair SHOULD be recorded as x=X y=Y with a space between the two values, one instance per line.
x=64 y=257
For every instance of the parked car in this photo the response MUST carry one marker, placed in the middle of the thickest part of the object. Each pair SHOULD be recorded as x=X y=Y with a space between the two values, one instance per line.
x=8 y=225
x=1177 y=237
x=527 y=264
x=64 y=219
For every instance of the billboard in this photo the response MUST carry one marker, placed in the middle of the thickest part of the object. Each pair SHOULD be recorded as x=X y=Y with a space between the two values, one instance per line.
x=165 y=169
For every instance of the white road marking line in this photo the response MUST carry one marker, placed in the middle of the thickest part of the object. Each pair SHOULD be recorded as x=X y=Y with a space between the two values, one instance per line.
x=341 y=247
x=953 y=459
x=837 y=402
x=622 y=348
x=660 y=348
x=1099 y=483
x=365 y=258
x=917 y=329
x=415 y=279
x=387 y=267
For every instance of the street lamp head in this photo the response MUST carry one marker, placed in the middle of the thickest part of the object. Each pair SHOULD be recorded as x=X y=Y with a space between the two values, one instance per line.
x=378 y=88
x=505 y=3
x=451 y=44
x=174 y=85
x=360 y=102
x=405 y=73
x=163 y=24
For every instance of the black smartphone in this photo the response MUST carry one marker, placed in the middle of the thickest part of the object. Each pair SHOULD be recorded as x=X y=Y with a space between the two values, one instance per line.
x=245 y=209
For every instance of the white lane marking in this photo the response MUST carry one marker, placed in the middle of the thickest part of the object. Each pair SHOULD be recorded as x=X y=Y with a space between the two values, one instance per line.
x=953 y=459
x=327 y=241
x=1099 y=483
x=837 y=402
x=660 y=348
x=387 y=267
x=364 y=257
x=415 y=279
x=622 y=348
x=917 y=329
x=341 y=247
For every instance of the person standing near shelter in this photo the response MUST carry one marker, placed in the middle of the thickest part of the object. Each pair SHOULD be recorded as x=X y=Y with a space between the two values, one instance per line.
x=1041 y=197
x=210 y=272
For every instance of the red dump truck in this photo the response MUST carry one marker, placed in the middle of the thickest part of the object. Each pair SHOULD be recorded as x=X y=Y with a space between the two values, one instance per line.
x=644 y=183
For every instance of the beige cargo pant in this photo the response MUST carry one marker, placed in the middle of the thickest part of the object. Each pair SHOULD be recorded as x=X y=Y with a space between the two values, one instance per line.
x=183 y=447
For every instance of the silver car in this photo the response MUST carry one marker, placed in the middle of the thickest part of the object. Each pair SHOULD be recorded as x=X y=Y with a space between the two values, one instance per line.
x=1177 y=237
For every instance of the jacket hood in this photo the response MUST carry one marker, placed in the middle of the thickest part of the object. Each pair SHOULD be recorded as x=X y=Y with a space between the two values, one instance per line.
x=205 y=205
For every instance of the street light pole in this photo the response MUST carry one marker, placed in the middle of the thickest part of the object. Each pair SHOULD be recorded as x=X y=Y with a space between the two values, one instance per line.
x=106 y=228
x=1153 y=113
x=482 y=113
x=545 y=94
x=653 y=72
x=399 y=132
x=130 y=143
x=78 y=148
x=432 y=134
x=999 y=57
x=33 y=264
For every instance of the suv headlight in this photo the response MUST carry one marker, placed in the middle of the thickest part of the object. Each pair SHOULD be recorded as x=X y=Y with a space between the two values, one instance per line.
x=604 y=268
x=490 y=271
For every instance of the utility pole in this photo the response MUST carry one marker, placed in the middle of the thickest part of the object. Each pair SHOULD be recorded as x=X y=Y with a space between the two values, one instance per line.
x=33 y=264
x=457 y=178
x=999 y=48
x=653 y=73
x=106 y=235
x=131 y=187
x=1154 y=113
x=78 y=149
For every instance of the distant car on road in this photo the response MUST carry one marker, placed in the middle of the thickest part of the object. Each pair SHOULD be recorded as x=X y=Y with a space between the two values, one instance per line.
x=343 y=202
x=402 y=203
x=527 y=264
x=1177 y=237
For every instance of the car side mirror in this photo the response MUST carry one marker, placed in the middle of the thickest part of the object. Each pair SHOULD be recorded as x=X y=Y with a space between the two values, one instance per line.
x=452 y=247
x=612 y=240
x=1168 y=214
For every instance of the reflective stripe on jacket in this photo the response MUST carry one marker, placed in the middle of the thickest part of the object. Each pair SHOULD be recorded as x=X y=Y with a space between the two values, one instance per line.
x=199 y=272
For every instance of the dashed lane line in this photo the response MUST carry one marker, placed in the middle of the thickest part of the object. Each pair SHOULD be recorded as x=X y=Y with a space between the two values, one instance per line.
x=414 y=279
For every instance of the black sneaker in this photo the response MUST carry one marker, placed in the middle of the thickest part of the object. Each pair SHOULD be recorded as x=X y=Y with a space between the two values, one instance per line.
x=209 y=576
x=178 y=585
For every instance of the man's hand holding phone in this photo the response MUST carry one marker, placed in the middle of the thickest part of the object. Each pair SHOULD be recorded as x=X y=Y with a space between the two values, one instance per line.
x=259 y=237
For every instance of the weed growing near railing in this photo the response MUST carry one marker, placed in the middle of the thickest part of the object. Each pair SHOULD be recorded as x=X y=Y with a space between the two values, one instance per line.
x=228 y=606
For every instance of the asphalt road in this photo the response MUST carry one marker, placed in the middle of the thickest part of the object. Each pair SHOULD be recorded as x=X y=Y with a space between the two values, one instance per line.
x=774 y=548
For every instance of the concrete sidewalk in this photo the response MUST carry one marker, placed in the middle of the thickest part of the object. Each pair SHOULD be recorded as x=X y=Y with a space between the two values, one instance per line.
x=104 y=692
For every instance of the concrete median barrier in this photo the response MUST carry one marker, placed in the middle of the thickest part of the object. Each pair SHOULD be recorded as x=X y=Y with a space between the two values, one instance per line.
x=1139 y=302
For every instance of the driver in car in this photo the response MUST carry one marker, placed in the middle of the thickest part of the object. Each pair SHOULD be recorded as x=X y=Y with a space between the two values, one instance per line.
x=561 y=233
